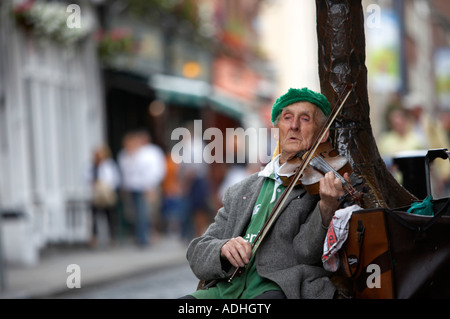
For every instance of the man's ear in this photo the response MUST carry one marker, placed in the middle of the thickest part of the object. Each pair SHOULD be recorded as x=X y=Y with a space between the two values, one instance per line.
x=325 y=138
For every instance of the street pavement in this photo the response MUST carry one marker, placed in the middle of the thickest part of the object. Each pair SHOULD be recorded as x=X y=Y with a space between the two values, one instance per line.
x=55 y=272
x=172 y=282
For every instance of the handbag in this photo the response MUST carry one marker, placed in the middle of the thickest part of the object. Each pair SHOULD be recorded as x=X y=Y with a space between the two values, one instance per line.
x=103 y=195
x=394 y=254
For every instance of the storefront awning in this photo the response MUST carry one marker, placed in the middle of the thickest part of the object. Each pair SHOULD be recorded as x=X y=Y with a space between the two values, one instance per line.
x=229 y=105
x=196 y=93
x=178 y=90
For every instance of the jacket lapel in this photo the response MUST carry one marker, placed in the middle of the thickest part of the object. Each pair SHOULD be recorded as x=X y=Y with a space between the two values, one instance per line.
x=248 y=200
x=246 y=203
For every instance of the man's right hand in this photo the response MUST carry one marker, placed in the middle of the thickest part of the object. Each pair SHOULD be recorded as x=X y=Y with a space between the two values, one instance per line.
x=237 y=251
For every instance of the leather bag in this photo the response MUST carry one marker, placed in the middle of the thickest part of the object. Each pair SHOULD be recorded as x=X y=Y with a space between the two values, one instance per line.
x=393 y=254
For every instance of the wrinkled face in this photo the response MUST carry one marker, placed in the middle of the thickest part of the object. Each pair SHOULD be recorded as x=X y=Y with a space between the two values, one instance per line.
x=298 y=124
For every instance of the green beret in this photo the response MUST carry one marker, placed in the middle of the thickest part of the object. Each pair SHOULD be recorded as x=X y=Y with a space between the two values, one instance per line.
x=300 y=95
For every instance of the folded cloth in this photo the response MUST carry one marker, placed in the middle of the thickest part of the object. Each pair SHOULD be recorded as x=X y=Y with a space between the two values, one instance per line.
x=424 y=208
x=336 y=236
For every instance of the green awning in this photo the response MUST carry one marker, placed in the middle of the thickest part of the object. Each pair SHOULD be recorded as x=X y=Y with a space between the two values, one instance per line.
x=229 y=105
x=177 y=90
x=196 y=93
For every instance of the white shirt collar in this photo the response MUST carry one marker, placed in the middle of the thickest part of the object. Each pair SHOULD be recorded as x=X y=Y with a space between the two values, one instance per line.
x=271 y=169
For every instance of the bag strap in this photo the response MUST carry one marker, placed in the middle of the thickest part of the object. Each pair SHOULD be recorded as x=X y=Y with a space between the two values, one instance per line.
x=436 y=216
x=360 y=230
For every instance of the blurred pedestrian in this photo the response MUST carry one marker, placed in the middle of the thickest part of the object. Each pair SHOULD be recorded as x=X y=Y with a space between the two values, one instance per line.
x=431 y=132
x=104 y=178
x=400 y=136
x=196 y=188
x=238 y=170
x=143 y=168
x=173 y=209
x=234 y=174
x=434 y=136
x=444 y=118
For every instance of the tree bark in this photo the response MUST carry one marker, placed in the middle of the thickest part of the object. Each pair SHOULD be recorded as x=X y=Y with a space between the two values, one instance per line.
x=341 y=39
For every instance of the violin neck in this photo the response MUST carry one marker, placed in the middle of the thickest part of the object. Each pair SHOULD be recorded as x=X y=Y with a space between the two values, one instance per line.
x=324 y=167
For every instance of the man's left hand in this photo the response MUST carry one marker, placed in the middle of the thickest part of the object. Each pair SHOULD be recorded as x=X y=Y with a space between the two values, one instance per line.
x=330 y=191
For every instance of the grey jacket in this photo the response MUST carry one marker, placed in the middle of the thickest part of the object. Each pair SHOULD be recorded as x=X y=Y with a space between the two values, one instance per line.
x=290 y=255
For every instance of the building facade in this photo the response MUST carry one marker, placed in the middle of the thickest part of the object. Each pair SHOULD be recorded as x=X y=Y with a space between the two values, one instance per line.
x=51 y=118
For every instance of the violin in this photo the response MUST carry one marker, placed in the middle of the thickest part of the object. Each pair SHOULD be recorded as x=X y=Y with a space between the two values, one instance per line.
x=326 y=159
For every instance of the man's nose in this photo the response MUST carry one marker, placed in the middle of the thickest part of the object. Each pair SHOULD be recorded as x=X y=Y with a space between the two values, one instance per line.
x=295 y=124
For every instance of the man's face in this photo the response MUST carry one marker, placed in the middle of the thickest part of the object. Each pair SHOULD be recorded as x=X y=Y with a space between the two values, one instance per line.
x=298 y=127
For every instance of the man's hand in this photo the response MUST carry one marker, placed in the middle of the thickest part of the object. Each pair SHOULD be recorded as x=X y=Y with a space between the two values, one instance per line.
x=330 y=191
x=237 y=251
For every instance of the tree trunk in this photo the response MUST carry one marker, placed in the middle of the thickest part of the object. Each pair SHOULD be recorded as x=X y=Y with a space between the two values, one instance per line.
x=341 y=38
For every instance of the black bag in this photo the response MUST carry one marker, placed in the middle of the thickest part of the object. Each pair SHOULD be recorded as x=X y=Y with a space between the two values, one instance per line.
x=420 y=250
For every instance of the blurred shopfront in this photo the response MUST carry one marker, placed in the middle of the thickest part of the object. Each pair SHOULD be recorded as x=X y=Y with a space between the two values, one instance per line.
x=172 y=76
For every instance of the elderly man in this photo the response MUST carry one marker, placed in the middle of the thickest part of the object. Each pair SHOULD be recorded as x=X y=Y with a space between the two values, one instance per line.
x=287 y=263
